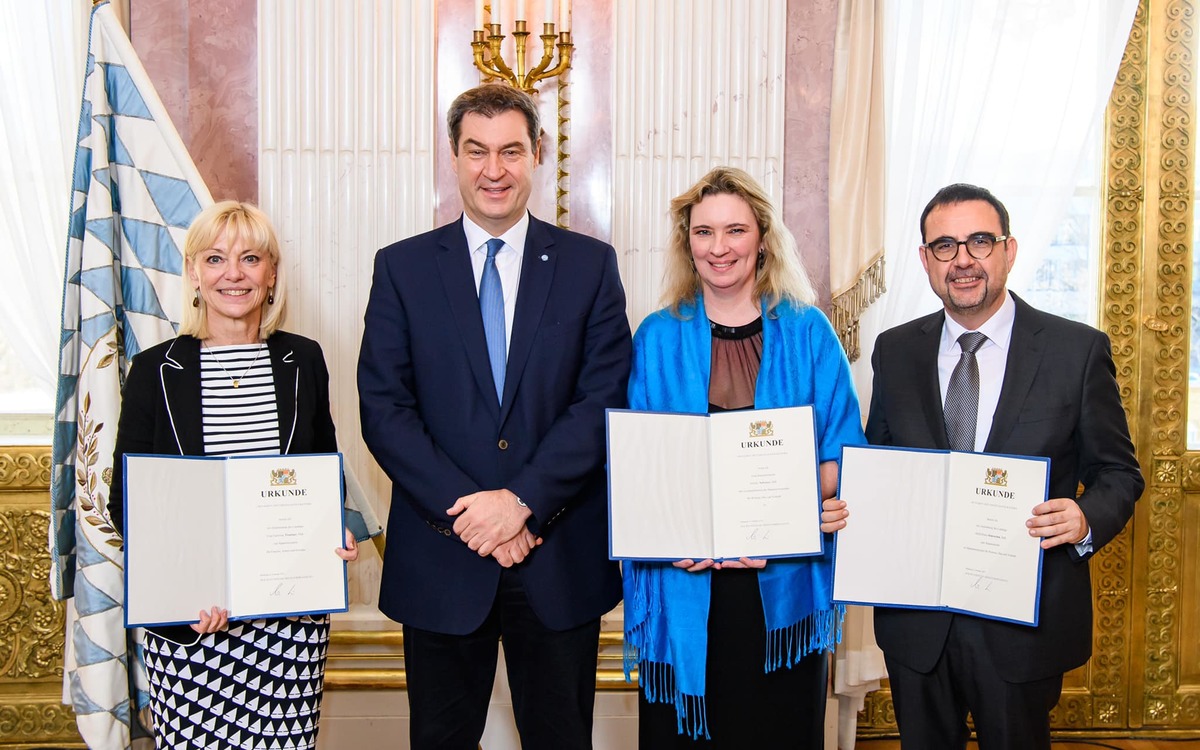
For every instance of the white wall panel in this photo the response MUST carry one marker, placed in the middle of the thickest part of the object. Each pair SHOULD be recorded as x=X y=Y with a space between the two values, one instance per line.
x=346 y=124
x=699 y=83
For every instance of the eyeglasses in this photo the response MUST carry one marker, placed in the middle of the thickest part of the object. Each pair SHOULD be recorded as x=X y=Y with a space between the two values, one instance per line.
x=979 y=246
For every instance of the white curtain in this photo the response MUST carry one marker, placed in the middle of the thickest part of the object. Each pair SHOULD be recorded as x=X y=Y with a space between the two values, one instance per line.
x=999 y=93
x=42 y=54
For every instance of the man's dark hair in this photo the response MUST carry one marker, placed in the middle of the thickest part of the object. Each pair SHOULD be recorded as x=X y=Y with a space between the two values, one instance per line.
x=489 y=100
x=961 y=192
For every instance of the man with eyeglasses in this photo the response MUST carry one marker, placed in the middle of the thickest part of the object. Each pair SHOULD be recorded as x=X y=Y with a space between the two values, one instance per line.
x=990 y=373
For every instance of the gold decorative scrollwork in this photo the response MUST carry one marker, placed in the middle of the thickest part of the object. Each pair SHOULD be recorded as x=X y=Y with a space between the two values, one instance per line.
x=37 y=722
x=32 y=623
x=1170 y=259
x=24 y=470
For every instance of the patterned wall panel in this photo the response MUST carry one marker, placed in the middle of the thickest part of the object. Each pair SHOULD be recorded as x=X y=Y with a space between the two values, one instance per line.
x=700 y=85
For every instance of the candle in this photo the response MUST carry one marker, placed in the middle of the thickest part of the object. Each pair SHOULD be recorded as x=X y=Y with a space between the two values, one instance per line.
x=479 y=14
x=497 y=17
x=548 y=12
x=564 y=15
x=521 y=16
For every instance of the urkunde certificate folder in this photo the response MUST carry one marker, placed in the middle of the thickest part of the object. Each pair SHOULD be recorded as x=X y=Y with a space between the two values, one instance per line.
x=726 y=485
x=940 y=530
x=251 y=534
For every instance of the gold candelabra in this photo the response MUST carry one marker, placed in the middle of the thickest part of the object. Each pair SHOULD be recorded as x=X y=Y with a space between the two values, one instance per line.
x=486 y=43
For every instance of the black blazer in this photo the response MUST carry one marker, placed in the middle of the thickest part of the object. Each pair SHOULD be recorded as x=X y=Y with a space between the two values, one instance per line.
x=431 y=418
x=160 y=404
x=1059 y=399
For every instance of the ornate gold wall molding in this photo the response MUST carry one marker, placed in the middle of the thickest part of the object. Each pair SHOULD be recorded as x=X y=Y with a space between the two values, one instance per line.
x=1167 y=292
x=31 y=621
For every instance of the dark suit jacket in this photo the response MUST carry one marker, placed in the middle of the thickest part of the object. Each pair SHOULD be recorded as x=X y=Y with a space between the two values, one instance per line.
x=431 y=418
x=1059 y=399
x=160 y=411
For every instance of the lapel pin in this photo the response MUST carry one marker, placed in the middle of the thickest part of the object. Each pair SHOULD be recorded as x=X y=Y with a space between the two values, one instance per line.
x=545 y=257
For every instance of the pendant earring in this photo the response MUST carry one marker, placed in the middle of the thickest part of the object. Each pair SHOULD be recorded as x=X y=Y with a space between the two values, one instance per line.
x=762 y=259
x=196 y=299
x=270 y=296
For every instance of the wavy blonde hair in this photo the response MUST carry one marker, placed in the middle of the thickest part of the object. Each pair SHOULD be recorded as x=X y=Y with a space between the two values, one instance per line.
x=782 y=276
x=243 y=222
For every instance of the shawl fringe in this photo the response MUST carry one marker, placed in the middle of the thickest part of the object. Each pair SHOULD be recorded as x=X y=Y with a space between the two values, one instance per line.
x=819 y=632
x=848 y=306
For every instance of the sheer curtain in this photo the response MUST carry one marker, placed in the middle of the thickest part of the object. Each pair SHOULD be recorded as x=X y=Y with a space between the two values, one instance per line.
x=42 y=50
x=1000 y=93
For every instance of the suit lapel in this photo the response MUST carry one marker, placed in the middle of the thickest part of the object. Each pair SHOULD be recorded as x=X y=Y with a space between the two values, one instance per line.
x=458 y=281
x=1025 y=350
x=180 y=378
x=537 y=271
x=285 y=373
x=925 y=361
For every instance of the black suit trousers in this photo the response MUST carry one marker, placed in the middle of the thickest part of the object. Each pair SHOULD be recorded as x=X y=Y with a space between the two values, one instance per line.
x=552 y=675
x=932 y=707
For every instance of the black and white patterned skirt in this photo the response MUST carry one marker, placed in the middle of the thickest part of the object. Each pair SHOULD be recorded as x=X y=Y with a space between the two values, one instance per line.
x=255 y=686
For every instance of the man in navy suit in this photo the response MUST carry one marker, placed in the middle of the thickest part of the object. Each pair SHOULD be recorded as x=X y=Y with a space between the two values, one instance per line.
x=492 y=347
x=1045 y=386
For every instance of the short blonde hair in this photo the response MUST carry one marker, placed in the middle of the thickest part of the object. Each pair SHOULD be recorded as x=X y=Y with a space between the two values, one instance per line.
x=782 y=275
x=247 y=223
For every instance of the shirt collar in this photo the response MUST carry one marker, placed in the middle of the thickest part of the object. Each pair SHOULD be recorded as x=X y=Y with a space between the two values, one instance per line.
x=997 y=328
x=477 y=236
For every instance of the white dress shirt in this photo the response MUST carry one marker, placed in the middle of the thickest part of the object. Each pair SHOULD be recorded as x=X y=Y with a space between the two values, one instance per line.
x=508 y=263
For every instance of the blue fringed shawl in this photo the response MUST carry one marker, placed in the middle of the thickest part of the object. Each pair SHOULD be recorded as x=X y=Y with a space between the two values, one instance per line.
x=666 y=609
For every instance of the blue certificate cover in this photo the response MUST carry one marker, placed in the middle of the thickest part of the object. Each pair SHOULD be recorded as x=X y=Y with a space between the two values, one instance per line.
x=944 y=530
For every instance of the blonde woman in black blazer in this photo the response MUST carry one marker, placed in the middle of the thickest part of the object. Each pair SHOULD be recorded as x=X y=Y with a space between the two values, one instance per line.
x=231 y=383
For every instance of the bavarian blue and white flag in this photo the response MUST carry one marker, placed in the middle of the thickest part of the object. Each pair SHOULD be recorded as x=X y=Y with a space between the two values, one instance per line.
x=135 y=193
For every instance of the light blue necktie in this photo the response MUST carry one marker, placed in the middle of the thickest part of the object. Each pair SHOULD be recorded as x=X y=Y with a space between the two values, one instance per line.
x=491 y=306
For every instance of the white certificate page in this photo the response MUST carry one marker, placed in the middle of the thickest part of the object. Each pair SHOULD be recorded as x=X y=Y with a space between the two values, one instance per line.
x=738 y=484
x=174 y=539
x=950 y=527
x=285 y=520
x=891 y=549
x=766 y=493
x=991 y=565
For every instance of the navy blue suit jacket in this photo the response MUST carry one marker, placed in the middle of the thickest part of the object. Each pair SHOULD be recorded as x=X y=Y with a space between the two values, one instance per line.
x=431 y=418
x=1059 y=399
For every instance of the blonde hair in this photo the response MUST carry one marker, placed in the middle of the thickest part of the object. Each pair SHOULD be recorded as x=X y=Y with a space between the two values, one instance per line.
x=782 y=275
x=248 y=224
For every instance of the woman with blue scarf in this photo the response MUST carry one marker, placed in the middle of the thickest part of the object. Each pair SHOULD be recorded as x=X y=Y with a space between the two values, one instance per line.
x=733 y=654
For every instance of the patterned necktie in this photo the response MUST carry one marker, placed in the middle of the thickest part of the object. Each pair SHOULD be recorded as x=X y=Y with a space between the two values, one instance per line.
x=962 y=395
x=491 y=306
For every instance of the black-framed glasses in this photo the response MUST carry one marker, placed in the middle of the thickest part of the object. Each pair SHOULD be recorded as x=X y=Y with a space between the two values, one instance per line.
x=979 y=245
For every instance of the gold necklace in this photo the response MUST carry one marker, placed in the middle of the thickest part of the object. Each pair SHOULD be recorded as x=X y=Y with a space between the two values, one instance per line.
x=232 y=379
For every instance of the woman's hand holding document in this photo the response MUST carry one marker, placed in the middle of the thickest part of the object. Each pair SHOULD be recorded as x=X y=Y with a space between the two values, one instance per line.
x=941 y=530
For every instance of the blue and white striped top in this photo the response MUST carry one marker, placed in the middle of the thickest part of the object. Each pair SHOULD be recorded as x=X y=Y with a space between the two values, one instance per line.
x=237 y=400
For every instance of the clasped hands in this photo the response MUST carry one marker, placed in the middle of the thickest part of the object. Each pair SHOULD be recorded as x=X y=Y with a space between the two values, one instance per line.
x=492 y=522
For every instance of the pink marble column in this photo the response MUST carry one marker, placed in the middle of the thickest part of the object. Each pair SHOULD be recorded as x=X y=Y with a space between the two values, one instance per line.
x=202 y=56
x=812 y=27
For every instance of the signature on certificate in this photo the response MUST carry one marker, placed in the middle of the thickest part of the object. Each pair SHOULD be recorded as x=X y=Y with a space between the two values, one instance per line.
x=283 y=589
x=981 y=583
